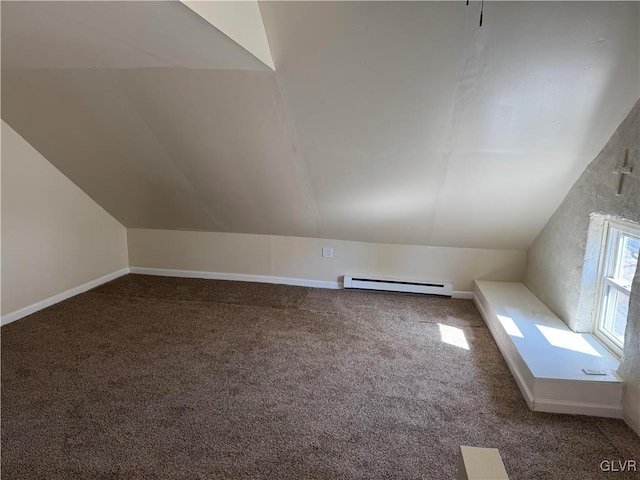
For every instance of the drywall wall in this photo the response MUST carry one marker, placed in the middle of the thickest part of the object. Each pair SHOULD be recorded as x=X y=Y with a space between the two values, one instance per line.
x=54 y=237
x=556 y=258
x=301 y=258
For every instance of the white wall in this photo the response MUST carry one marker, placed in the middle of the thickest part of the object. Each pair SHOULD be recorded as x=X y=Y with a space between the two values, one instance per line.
x=54 y=237
x=301 y=258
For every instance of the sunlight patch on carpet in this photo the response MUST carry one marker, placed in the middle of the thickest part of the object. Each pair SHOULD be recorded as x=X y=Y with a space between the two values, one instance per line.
x=453 y=336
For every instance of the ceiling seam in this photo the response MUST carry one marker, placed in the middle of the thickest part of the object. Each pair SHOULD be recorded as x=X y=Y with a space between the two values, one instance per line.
x=203 y=204
x=293 y=136
x=461 y=97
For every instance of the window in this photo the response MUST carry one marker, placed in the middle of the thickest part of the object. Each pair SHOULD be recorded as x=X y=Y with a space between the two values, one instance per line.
x=618 y=266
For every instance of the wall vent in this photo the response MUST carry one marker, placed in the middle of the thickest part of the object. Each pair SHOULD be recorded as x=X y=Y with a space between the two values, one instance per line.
x=403 y=286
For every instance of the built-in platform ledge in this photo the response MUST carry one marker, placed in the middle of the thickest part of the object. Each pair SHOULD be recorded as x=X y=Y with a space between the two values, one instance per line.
x=546 y=358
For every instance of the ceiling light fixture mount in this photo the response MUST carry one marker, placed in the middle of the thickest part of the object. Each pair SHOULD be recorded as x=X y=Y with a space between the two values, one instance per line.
x=481 y=10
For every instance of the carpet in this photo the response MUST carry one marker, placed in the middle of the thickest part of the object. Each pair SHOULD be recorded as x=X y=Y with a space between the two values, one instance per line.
x=164 y=378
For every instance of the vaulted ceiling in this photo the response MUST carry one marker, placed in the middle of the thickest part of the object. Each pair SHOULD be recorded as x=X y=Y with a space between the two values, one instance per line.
x=385 y=122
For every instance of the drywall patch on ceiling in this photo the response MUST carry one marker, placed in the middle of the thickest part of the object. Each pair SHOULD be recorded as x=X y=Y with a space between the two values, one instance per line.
x=239 y=20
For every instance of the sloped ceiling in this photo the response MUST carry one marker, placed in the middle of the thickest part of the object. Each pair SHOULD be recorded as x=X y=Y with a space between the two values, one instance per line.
x=385 y=122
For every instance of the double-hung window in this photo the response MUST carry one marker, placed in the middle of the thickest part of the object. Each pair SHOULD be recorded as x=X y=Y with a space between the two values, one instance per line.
x=618 y=266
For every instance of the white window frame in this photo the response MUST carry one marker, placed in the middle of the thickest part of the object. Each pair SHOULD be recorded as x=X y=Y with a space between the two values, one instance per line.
x=609 y=254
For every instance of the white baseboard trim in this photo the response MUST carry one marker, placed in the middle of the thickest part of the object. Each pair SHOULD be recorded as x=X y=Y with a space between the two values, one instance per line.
x=72 y=292
x=577 y=408
x=163 y=272
x=462 y=295
x=245 y=277
x=238 y=277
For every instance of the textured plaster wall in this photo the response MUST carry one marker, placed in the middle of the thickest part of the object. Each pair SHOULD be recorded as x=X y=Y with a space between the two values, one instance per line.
x=555 y=259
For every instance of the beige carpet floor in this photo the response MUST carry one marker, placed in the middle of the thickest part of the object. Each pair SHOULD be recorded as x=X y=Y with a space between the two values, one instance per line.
x=162 y=378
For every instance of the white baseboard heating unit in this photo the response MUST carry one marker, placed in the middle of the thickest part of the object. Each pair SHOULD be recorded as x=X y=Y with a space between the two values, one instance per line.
x=403 y=286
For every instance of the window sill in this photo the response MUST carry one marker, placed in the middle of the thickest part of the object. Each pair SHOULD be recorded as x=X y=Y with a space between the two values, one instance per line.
x=546 y=358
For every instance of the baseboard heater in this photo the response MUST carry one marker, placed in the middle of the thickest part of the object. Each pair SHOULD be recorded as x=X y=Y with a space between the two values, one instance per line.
x=403 y=286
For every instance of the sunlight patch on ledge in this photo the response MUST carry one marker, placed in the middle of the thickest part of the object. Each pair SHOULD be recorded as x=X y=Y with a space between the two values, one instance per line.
x=567 y=340
x=510 y=326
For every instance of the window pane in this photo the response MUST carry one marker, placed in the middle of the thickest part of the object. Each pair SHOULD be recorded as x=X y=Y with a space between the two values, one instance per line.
x=615 y=314
x=628 y=260
x=620 y=263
